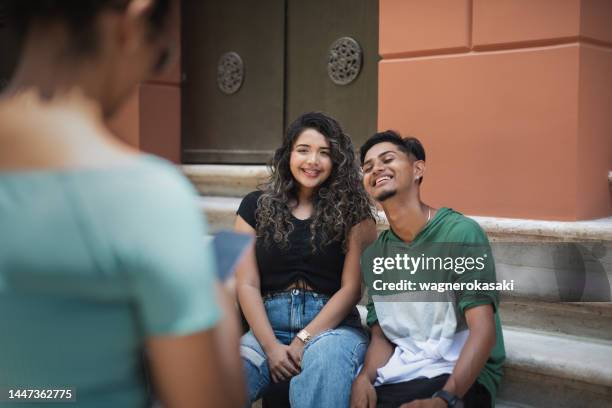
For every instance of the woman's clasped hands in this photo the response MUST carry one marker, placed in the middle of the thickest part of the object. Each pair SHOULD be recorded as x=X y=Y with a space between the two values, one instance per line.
x=284 y=361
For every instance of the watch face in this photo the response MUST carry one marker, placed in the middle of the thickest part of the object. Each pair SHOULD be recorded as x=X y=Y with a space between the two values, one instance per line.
x=304 y=336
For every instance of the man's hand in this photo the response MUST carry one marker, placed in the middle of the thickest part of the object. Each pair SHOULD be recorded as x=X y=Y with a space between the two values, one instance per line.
x=426 y=403
x=280 y=364
x=296 y=351
x=363 y=394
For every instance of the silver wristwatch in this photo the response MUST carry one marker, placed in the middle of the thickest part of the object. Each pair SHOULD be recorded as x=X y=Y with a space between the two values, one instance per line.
x=304 y=336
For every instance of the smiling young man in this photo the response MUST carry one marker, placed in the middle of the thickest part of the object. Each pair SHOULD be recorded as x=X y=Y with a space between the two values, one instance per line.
x=429 y=348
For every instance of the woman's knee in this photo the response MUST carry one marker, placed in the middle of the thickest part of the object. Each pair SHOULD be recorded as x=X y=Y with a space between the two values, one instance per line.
x=337 y=346
x=252 y=352
x=255 y=366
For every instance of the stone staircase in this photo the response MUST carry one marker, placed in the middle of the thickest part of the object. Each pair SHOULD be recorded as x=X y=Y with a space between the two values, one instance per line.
x=559 y=354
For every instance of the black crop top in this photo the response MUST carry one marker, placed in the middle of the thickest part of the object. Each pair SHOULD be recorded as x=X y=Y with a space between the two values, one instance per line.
x=279 y=268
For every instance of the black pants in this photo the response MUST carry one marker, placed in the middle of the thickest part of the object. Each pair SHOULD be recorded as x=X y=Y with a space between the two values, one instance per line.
x=394 y=395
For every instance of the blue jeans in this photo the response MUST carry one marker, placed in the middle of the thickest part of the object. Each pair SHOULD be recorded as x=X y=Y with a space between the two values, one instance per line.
x=330 y=359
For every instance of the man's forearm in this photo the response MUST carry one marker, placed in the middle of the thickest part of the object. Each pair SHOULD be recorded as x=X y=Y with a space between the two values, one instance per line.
x=475 y=352
x=379 y=352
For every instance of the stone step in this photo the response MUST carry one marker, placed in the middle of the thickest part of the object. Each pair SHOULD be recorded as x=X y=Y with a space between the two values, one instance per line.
x=534 y=265
x=225 y=179
x=234 y=180
x=219 y=211
x=559 y=354
x=546 y=370
x=557 y=272
x=535 y=302
x=577 y=368
x=587 y=319
x=498 y=229
x=577 y=365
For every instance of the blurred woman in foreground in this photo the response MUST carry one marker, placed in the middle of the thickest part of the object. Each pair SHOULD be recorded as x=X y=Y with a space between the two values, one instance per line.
x=101 y=251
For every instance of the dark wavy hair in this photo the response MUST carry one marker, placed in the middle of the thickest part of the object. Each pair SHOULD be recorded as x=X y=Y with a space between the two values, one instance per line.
x=411 y=146
x=338 y=204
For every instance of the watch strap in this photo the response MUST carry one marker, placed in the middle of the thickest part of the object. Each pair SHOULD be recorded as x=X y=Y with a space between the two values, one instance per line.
x=451 y=399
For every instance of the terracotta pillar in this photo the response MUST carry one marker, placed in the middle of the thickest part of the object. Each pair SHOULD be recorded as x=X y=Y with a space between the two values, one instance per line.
x=511 y=99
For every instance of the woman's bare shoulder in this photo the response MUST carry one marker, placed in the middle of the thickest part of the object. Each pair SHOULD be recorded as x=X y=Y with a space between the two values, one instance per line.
x=35 y=135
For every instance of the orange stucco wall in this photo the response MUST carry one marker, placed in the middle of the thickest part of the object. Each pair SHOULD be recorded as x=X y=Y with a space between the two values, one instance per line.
x=511 y=99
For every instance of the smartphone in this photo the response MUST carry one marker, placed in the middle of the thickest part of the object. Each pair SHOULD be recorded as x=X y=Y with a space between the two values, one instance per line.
x=229 y=246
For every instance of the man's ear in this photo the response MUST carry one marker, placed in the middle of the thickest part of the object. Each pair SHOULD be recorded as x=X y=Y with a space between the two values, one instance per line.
x=419 y=169
x=139 y=9
x=132 y=24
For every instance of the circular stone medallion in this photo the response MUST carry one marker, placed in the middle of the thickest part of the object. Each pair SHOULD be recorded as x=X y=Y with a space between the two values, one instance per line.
x=230 y=73
x=344 y=60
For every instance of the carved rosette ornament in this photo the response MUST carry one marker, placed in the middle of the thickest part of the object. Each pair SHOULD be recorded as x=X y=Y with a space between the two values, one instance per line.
x=230 y=73
x=344 y=60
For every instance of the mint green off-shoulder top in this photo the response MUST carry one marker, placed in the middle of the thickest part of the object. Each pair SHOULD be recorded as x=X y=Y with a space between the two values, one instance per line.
x=93 y=262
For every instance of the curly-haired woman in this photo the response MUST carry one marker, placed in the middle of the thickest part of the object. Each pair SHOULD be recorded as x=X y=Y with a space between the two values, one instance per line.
x=298 y=293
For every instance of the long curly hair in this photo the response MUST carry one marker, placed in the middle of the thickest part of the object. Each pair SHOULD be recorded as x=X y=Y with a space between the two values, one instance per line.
x=338 y=204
